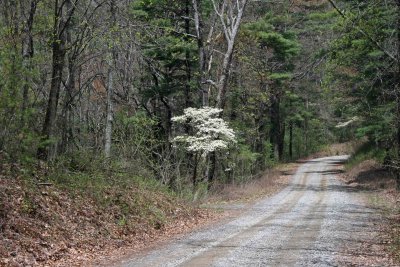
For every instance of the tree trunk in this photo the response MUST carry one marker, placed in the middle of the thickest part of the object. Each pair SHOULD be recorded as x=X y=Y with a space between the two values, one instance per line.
x=45 y=151
x=397 y=88
x=66 y=128
x=231 y=24
x=67 y=108
x=188 y=67
x=260 y=142
x=202 y=52
x=51 y=112
x=281 y=139
x=275 y=125
x=211 y=171
x=291 y=140
x=194 y=176
x=110 y=117
x=398 y=137
x=230 y=30
x=110 y=91
x=306 y=130
x=224 y=78
x=27 y=55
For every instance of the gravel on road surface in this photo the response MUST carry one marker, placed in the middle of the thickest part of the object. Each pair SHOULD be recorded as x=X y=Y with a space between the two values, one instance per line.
x=312 y=222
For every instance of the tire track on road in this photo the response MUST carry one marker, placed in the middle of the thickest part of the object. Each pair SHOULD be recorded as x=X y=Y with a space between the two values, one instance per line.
x=225 y=247
x=284 y=230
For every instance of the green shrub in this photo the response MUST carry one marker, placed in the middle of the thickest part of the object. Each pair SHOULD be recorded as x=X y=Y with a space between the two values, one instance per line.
x=366 y=151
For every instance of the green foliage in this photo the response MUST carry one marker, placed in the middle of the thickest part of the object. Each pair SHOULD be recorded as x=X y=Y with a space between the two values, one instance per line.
x=322 y=16
x=136 y=137
x=284 y=43
x=361 y=73
x=10 y=96
x=280 y=76
x=18 y=115
x=244 y=162
x=367 y=151
x=135 y=129
x=375 y=124
x=268 y=158
x=27 y=205
x=167 y=47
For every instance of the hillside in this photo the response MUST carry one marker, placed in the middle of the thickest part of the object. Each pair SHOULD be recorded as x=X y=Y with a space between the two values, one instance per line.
x=47 y=223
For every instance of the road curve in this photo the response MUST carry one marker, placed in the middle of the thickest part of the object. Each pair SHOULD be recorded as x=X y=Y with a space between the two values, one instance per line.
x=306 y=224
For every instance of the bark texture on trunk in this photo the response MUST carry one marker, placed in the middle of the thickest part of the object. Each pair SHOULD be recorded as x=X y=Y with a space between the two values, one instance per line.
x=211 y=171
x=275 y=134
x=46 y=150
x=397 y=88
x=110 y=91
x=231 y=24
x=27 y=55
x=63 y=13
x=110 y=117
x=199 y=27
x=291 y=140
x=66 y=128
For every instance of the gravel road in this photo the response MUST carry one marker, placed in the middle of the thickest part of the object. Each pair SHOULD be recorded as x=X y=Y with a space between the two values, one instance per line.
x=309 y=223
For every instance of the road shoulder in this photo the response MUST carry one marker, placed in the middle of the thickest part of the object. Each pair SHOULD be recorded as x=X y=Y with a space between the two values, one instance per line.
x=227 y=203
x=381 y=242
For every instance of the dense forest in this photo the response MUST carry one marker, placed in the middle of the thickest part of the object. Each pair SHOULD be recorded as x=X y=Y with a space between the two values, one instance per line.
x=102 y=80
x=192 y=94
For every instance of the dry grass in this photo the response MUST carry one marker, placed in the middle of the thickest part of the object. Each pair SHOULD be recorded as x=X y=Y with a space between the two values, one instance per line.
x=347 y=148
x=379 y=185
x=370 y=175
x=270 y=182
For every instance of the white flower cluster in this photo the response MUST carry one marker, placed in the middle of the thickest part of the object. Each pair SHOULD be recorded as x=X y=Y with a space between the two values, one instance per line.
x=211 y=132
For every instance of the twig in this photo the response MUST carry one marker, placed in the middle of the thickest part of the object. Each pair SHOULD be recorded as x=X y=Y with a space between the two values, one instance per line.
x=45 y=184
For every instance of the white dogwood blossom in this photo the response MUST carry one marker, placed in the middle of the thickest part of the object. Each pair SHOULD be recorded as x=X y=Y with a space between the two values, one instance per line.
x=211 y=133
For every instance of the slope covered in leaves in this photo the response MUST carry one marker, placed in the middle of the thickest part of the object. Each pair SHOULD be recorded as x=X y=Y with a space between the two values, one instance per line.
x=52 y=224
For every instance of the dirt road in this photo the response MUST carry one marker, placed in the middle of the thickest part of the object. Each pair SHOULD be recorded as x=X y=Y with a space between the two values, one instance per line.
x=309 y=223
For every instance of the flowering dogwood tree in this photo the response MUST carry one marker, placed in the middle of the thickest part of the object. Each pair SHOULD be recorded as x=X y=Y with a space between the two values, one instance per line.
x=211 y=133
